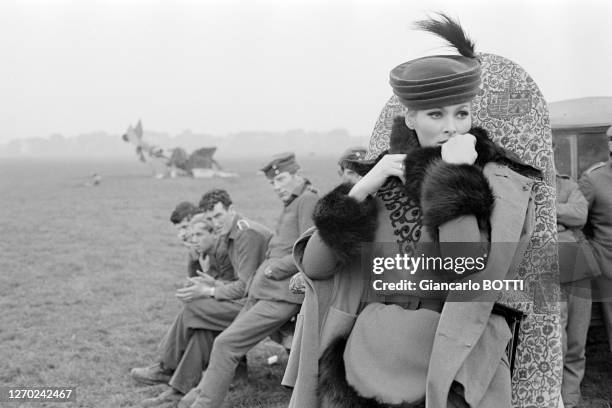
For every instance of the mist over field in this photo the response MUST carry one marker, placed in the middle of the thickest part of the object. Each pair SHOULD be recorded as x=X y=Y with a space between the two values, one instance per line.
x=246 y=144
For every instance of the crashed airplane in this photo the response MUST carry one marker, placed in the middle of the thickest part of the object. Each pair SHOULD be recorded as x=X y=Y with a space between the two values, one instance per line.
x=175 y=162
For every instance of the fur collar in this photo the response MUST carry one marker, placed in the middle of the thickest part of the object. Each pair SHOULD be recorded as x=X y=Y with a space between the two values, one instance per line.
x=404 y=140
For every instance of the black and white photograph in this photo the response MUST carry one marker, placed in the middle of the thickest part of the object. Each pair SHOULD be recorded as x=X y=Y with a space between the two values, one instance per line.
x=306 y=203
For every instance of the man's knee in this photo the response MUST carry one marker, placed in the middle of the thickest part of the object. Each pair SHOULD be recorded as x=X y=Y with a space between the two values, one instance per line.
x=195 y=308
x=225 y=345
x=186 y=314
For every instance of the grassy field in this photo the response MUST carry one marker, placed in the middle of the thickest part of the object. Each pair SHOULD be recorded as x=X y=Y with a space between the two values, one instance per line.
x=88 y=273
x=87 y=277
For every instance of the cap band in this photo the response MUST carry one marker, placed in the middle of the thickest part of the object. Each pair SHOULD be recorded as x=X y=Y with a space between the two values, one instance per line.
x=436 y=81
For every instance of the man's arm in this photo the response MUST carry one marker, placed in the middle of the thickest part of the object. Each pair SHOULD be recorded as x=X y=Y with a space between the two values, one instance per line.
x=574 y=212
x=250 y=248
x=285 y=267
x=319 y=261
x=587 y=189
x=305 y=211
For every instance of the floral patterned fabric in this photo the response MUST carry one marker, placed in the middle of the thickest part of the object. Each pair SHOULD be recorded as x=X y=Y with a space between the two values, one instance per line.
x=512 y=109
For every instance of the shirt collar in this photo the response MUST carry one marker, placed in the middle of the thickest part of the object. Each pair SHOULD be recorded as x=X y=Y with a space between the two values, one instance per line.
x=233 y=232
x=297 y=192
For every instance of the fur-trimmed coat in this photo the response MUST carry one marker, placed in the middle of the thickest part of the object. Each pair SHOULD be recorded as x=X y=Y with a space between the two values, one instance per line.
x=491 y=199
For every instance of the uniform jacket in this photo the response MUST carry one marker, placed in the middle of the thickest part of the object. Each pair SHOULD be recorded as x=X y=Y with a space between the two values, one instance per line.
x=295 y=219
x=220 y=264
x=193 y=266
x=219 y=267
x=469 y=342
x=596 y=185
x=246 y=244
x=576 y=260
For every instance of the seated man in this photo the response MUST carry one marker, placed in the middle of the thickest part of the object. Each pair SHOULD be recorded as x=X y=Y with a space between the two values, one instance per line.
x=209 y=306
x=348 y=163
x=181 y=217
x=210 y=252
x=270 y=303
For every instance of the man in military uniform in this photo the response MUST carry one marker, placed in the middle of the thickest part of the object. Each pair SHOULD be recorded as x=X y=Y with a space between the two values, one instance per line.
x=210 y=305
x=577 y=267
x=596 y=185
x=211 y=252
x=181 y=217
x=348 y=163
x=270 y=303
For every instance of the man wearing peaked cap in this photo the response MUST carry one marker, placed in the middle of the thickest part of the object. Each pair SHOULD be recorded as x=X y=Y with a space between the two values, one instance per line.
x=281 y=162
x=285 y=175
x=270 y=302
x=577 y=267
x=596 y=185
x=348 y=164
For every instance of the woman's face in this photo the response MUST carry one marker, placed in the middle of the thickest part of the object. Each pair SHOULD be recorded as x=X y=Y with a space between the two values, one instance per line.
x=435 y=126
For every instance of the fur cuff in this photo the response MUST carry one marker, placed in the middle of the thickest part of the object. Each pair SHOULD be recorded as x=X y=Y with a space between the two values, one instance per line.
x=333 y=389
x=344 y=223
x=415 y=167
x=451 y=190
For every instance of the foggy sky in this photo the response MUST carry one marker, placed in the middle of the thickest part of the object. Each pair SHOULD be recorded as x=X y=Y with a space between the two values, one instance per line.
x=219 y=67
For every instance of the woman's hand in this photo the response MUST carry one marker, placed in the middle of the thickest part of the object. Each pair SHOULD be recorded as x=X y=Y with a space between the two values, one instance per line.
x=389 y=165
x=460 y=149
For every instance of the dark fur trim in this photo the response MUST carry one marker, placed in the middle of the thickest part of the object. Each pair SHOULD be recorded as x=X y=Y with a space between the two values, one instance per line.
x=402 y=138
x=343 y=222
x=488 y=151
x=445 y=191
x=452 y=190
x=415 y=166
x=333 y=389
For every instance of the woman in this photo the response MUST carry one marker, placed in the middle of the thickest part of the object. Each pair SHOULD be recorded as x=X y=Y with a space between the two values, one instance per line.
x=440 y=181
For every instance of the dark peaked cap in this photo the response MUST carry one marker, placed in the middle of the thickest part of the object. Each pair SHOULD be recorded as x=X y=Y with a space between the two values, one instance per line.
x=352 y=155
x=280 y=163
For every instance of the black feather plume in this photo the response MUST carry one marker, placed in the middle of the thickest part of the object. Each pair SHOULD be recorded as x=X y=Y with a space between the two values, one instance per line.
x=451 y=31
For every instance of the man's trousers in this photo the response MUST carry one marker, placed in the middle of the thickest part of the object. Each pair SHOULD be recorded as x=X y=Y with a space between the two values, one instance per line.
x=256 y=321
x=602 y=292
x=187 y=346
x=575 y=320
